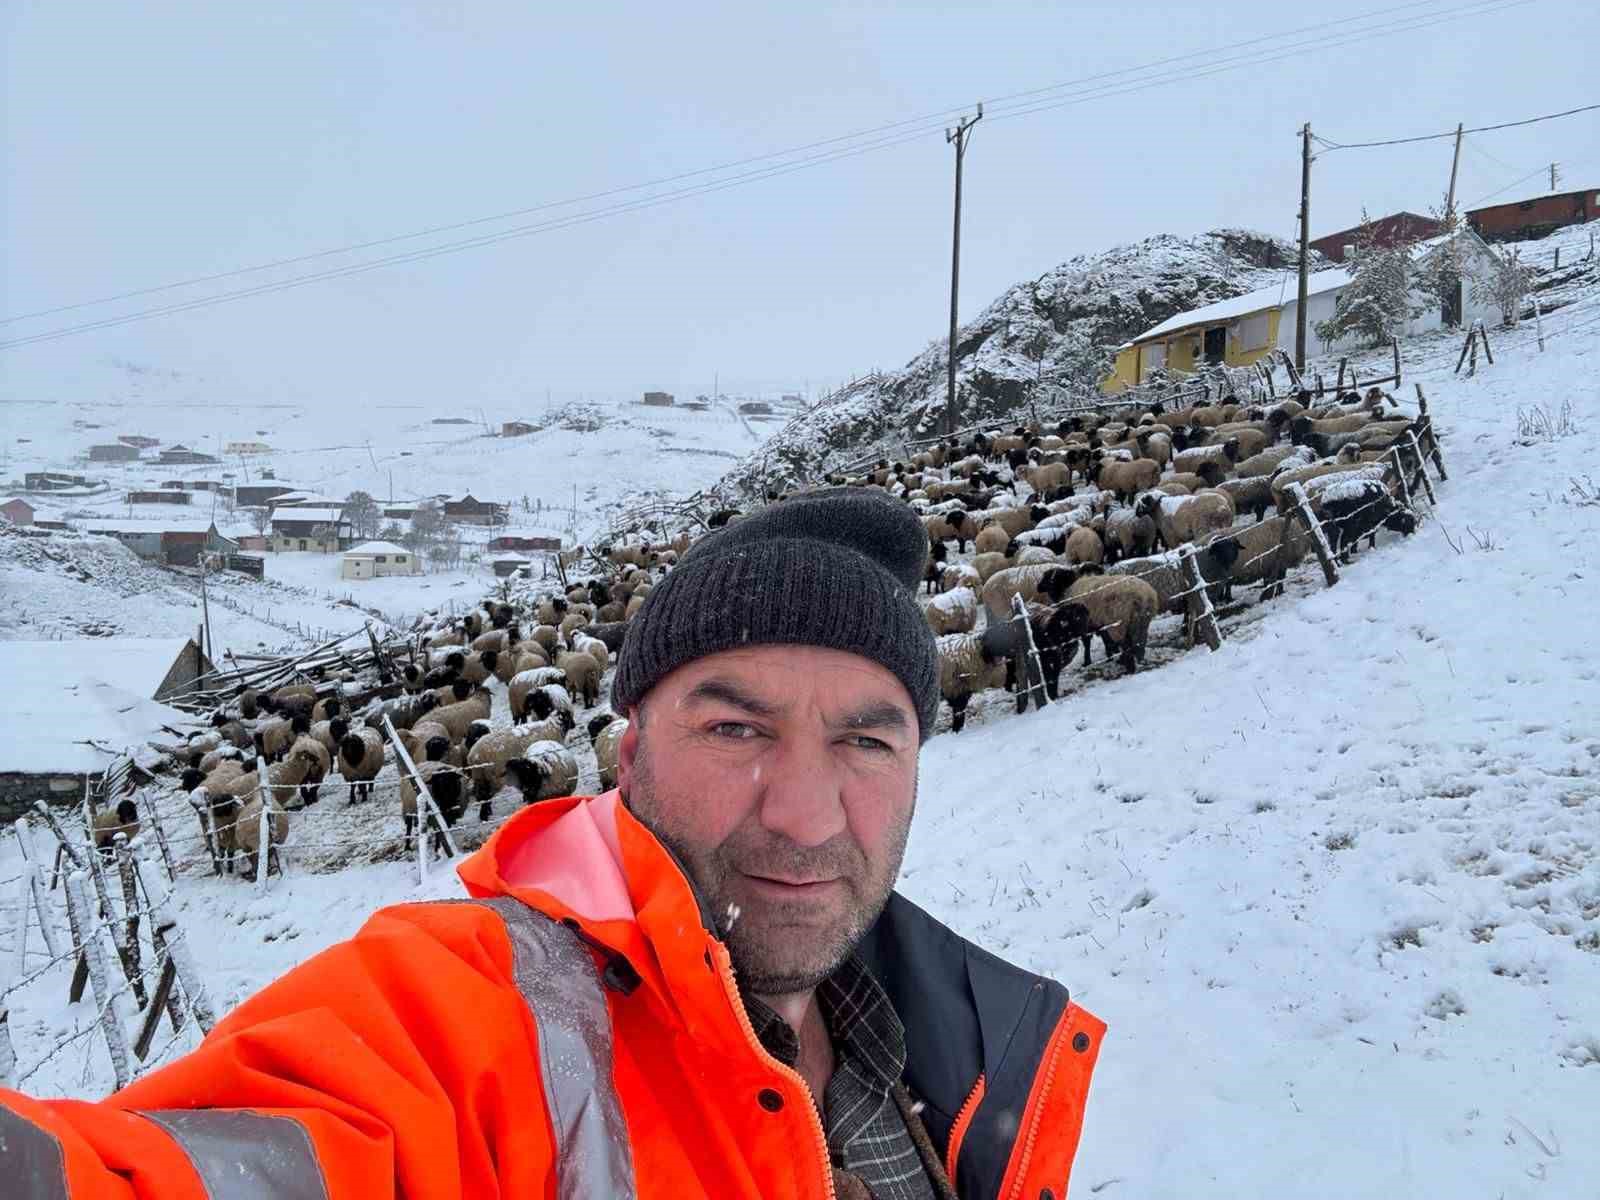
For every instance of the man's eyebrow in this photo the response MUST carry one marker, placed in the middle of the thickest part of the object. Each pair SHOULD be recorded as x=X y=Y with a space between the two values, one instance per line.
x=728 y=692
x=881 y=714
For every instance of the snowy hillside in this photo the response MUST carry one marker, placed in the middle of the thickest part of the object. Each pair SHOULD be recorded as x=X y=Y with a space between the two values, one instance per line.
x=1335 y=888
x=1059 y=328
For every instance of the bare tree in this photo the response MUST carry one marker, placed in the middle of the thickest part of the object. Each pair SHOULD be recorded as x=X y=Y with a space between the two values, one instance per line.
x=363 y=513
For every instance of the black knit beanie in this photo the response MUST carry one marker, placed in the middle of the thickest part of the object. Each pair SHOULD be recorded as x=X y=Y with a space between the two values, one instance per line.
x=838 y=568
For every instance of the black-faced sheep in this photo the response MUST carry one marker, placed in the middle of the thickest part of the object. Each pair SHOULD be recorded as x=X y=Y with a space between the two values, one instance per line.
x=1180 y=519
x=360 y=760
x=1119 y=609
x=546 y=771
x=1353 y=509
x=311 y=784
x=1125 y=479
x=1261 y=553
x=583 y=675
x=486 y=760
x=968 y=664
x=526 y=685
x=445 y=787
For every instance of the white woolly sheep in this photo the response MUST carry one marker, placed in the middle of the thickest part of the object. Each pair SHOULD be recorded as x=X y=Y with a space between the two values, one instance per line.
x=606 y=738
x=953 y=612
x=1181 y=519
x=360 y=760
x=486 y=761
x=546 y=771
x=968 y=664
x=583 y=675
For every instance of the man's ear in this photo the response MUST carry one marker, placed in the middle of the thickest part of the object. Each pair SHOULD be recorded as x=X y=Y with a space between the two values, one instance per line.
x=627 y=748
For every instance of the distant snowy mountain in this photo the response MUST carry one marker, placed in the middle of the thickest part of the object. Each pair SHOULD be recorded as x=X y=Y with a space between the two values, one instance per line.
x=1057 y=330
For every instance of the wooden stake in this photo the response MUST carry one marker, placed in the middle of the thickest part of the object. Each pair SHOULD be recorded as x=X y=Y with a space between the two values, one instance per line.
x=1472 y=358
x=1342 y=362
x=164 y=999
x=1422 y=401
x=1483 y=336
x=1400 y=474
x=1416 y=452
x=1395 y=342
x=99 y=979
x=264 y=825
x=427 y=812
x=1465 y=346
x=1319 y=539
x=166 y=923
x=1030 y=674
x=130 y=909
x=1202 y=616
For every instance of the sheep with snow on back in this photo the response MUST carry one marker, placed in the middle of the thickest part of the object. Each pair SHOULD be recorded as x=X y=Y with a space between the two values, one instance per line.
x=486 y=761
x=1129 y=534
x=1358 y=507
x=526 y=686
x=957 y=525
x=933 y=567
x=1180 y=519
x=1274 y=458
x=968 y=664
x=545 y=771
x=276 y=734
x=1224 y=455
x=1253 y=495
x=953 y=612
x=360 y=760
x=1084 y=545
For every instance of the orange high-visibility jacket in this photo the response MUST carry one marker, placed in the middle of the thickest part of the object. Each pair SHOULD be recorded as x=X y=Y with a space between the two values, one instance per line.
x=574 y=1031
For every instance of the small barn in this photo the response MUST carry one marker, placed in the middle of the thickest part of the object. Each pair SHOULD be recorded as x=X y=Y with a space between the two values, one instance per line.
x=658 y=399
x=1535 y=217
x=373 y=560
x=17 y=510
x=506 y=565
x=113 y=452
x=77 y=705
x=469 y=510
x=177 y=541
x=517 y=428
x=181 y=454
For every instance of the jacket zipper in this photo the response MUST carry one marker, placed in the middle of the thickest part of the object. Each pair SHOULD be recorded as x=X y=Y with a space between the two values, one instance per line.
x=1038 y=1115
x=958 y=1129
x=725 y=973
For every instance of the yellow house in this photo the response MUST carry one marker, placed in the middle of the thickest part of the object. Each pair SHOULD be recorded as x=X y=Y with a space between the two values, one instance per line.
x=1232 y=333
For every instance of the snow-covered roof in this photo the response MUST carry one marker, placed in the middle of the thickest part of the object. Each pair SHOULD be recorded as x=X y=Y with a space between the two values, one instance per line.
x=66 y=694
x=1559 y=192
x=1243 y=306
x=366 y=548
x=328 y=515
x=155 y=525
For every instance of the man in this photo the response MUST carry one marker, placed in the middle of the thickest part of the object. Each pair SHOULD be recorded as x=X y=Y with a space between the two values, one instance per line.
x=701 y=986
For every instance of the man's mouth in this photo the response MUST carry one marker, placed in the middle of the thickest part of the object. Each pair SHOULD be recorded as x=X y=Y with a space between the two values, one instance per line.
x=794 y=887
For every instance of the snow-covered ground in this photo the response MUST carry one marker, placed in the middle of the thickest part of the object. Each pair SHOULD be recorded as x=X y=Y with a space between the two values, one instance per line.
x=1336 y=887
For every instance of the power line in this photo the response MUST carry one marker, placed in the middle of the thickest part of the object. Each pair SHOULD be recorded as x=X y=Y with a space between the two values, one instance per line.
x=908 y=133
x=1432 y=137
x=924 y=123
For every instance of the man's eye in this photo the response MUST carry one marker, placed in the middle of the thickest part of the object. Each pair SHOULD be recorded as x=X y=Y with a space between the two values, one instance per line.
x=864 y=742
x=736 y=731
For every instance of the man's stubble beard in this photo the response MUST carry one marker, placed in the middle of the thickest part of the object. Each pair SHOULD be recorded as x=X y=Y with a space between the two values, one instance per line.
x=773 y=956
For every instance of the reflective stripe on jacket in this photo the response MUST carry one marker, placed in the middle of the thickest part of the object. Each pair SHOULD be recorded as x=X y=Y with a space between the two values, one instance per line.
x=572 y=1031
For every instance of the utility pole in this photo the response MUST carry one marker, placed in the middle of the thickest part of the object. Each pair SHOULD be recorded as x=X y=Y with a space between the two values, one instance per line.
x=958 y=136
x=1554 y=175
x=1305 y=247
x=1450 y=196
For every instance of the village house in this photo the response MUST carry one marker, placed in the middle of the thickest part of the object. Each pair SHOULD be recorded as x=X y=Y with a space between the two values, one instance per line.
x=175 y=541
x=1384 y=232
x=182 y=454
x=1237 y=332
x=658 y=399
x=517 y=428
x=324 y=530
x=468 y=510
x=113 y=452
x=138 y=441
x=77 y=705
x=17 y=511
x=1538 y=216
x=373 y=560
x=513 y=541
x=261 y=492
x=247 y=448
x=52 y=481
x=165 y=495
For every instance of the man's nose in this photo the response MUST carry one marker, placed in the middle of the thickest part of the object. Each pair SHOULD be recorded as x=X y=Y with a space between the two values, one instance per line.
x=800 y=798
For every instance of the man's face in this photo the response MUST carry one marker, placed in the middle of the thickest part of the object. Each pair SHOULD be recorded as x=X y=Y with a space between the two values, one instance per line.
x=783 y=778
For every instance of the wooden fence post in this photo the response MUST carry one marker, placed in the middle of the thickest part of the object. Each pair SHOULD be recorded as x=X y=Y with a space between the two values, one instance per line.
x=166 y=923
x=427 y=812
x=89 y=925
x=1538 y=318
x=130 y=911
x=1472 y=357
x=263 y=826
x=1399 y=466
x=1422 y=472
x=36 y=887
x=1030 y=672
x=1395 y=343
x=1483 y=336
x=1319 y=539
x=1201 y=615
x=1340 y=385
x=1465 y=346
x=154 y=818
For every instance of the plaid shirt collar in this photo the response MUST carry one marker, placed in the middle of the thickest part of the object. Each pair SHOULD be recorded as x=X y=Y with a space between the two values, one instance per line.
x=867 y=1136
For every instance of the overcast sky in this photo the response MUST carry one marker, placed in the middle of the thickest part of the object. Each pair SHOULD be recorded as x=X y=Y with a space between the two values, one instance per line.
x=155 y=142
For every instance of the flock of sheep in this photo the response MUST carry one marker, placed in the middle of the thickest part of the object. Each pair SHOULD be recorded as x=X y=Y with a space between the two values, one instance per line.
x=1083 y=522
x=537 y=662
